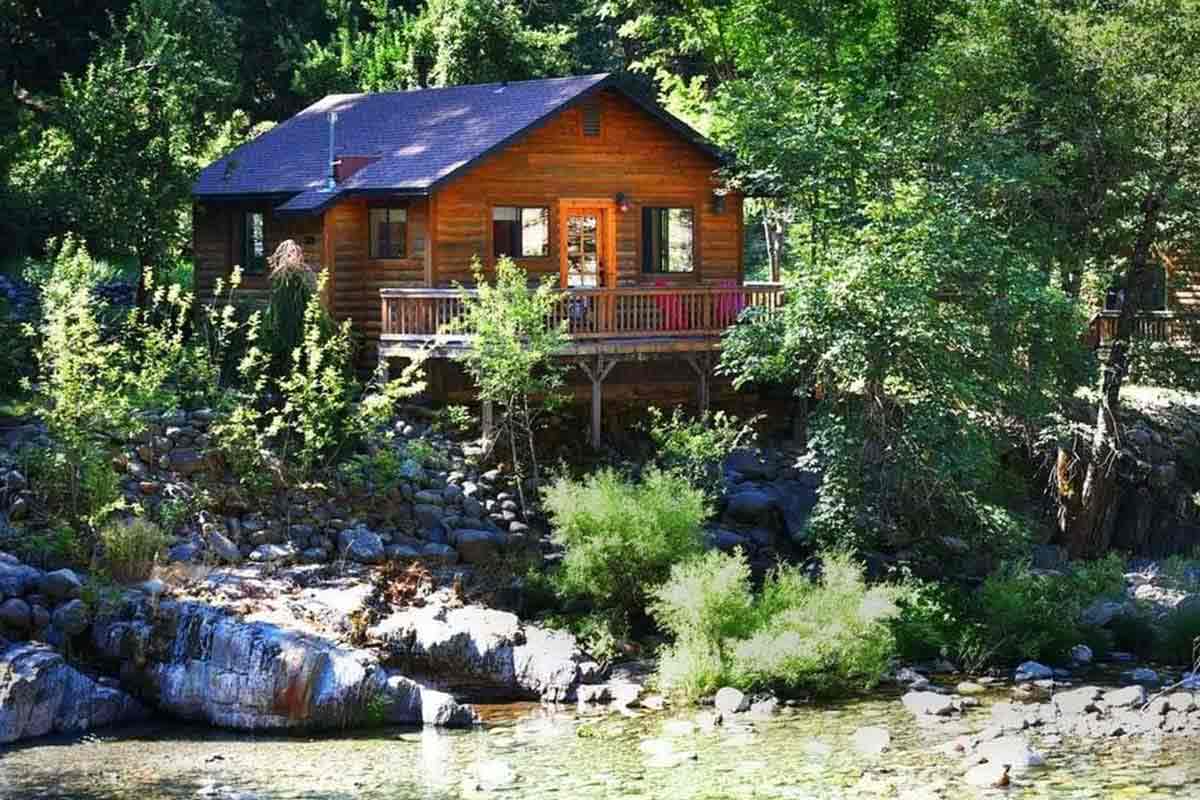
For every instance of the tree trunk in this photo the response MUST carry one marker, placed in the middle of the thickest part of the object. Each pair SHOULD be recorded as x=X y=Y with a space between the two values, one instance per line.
x=775 y=232
x=1086 y=519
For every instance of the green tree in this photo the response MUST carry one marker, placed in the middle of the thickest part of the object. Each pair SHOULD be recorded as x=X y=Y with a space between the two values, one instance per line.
x=512 y=356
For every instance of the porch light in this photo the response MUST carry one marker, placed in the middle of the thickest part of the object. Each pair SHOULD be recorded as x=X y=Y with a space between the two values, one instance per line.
x=622 y=202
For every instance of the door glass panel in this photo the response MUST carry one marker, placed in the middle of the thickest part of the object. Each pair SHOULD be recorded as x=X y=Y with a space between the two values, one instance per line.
x=583 y=253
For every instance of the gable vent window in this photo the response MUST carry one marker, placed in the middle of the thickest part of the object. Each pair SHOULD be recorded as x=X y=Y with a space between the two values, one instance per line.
x=591 y=119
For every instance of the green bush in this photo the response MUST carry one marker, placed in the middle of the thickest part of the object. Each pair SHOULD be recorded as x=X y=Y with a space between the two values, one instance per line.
x=695 y=447
x=1179 y=643
x=130 y=550
x=797 y=635
x=622 y=537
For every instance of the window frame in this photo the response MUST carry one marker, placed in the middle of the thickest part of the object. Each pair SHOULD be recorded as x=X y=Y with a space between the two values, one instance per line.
x=594 y=105
x=388 y=207
x=644 y=250
x=491 y=230
x=250 y=262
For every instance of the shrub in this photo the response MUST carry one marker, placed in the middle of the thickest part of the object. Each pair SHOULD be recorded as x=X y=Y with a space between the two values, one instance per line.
x=622 y=537
x=131 y=549
x=826 y=636
x=1180 y=638
x=695 y=447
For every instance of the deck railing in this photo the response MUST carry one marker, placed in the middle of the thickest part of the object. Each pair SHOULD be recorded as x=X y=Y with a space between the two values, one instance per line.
x=1171 y=327
x=631 y=312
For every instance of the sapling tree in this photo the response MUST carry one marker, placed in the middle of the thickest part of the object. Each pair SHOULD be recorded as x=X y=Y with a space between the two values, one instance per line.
x=512 y=356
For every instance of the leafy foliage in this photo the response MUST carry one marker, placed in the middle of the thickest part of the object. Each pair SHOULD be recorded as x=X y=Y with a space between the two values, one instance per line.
x=622 y=537
x=131 y=549
x=695 y=448
x=796 y=635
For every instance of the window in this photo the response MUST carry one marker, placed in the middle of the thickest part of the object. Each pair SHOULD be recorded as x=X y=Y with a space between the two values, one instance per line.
x=591 y=119
x=254 y=243
x=520 y=232
x=667 y=240
x=389 y=232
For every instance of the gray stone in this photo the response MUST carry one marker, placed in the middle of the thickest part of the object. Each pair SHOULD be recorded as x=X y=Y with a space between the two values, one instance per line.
x=71 y=618
x=428 y=497
x=753 y=507
x=765 y=708
x=361 y=545
x=1101 y=613
x=185 y=461
x=440 y=553
x=408 y=702
x=730 y=701
x=41 y=694
x=988 y=775
x=1081 y=654
x=223 y=548
x=1141 y=675
x=40 y=616
x=428 y=515
x=401 y=552
x=751 y=463
x=271 y=552
x=930 y=704
x=1077 y=701
x=62 y=584
x=184 y=553
x=16 y=614
x=314 y=555
x=1010 y=751
x=871 y=740
x=910 y=678
x=478 y=547
x=1129 y=697
x=18 y=579
x=1033 y=671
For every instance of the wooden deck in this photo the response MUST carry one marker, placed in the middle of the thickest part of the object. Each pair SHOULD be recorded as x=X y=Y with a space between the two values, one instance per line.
x=1171 y=327
x=620 y=321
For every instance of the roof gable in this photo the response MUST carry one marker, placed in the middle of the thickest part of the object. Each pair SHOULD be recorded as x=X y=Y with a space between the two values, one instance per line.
x=416 y=139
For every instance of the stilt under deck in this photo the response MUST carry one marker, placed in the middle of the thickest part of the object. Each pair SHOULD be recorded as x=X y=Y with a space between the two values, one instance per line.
x=605 y=327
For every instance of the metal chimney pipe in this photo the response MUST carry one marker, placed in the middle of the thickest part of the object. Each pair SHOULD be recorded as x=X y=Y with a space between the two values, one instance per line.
x=331 y=180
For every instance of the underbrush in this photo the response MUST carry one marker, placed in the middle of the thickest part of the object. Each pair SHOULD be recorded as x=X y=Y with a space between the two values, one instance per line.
x=797 y=635
x=131 y=549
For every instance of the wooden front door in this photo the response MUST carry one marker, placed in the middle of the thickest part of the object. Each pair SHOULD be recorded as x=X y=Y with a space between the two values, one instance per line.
x=586 y=245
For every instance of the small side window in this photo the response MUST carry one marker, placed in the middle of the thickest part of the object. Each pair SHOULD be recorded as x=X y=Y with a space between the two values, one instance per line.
x=668 y=240
x=254 y=243
x=389 y=232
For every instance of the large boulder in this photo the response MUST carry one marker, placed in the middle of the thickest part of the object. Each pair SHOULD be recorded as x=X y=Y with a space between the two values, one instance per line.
x=753 y=507
x=484 y=653
x=17 y=579
x=202 y=663
x=40 y=693
x=361 y=545
x=62 y=584
x=478 y=547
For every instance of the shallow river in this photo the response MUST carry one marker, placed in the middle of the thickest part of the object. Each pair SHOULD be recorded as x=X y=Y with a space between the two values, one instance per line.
x=529 y=752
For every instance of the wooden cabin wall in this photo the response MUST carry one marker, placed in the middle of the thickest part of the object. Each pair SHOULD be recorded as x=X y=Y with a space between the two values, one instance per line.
x=217 y=244
x=635 y=154
x=1185 y=285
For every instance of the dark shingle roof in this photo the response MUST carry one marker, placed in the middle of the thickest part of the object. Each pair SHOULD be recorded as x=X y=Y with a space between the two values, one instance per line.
x=421 y=137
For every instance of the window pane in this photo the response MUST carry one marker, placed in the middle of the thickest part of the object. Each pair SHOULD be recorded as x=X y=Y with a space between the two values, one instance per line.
x=535 y=232
x=254 y=244
x=504 y=214
x=679 y=240
x=389 y=228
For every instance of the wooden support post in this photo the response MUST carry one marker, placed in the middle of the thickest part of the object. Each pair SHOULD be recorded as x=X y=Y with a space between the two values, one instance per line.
x=487 y=423
x=702 y=365
x=597 y=374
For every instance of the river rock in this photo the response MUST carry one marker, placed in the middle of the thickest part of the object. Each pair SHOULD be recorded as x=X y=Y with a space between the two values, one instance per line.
x=871 y=740
x=223 y=548
x=484 y=652
x=1081 y=654
x=62 y=584
x=730 y=701
x=17 y=579
x=1033 y=671
x=1129 y=697
x=988 y=775
x=1142 y=675
x=1101 y=613
x=1011 y=751
x=930 y=704
x=753 y=507
x=361 y=545
x=478 y=547
x=1077 y=701
x=407 y=702
x=71 y=618
x=40 y=694
x=16 y=614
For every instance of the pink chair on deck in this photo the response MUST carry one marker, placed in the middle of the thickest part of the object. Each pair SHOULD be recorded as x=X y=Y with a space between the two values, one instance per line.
x=729 y=305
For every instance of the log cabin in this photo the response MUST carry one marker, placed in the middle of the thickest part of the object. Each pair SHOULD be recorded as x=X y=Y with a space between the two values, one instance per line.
x=1170 y=311
x=396 y=194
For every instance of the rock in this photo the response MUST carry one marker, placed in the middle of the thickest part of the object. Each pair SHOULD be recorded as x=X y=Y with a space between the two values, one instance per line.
x=184 y=553
x=407 y=702
x=266 y=553
x=969 y=688
x=871 y=740
x=1033 y=671
x=910 y=678
x=1141 y=675
x=1081 y=654
x=223 y=548
x=751 y=463
x=1077 y=701
x=1101 y=613
x=400 y=552
x=1011 y=751
x=765 y=708
x=478 y=547
x=16 y=615
x=494 y=774
x=730 y=701
x=40 y=694
x=62 y=584
x=930 y=704
x=40 y=616
x=439 y=553
x=1129 y=697
x=483 y=651
x=18 y=509
x=361 y=545
x=71 y=618
x=17 y=579
x=988 y=775
x=185 y=461
x=753 y=507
